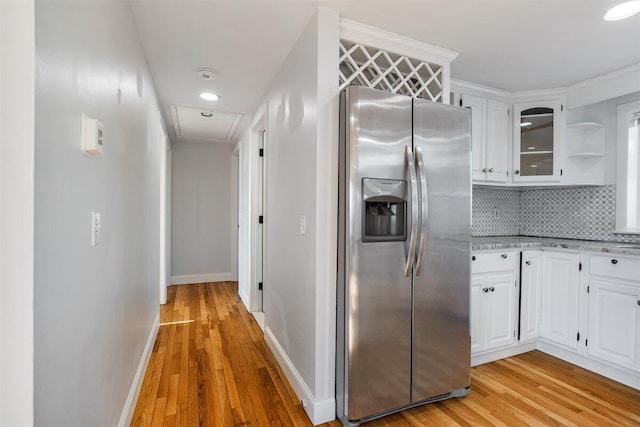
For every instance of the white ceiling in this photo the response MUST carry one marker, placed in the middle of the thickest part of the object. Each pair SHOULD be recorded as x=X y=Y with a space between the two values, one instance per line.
x=513 y=45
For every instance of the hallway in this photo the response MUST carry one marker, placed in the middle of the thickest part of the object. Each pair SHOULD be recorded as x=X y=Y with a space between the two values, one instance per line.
x=210 y=366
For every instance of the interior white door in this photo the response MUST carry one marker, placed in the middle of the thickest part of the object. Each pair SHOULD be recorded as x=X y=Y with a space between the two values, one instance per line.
x=260 y=205
x=163 y=210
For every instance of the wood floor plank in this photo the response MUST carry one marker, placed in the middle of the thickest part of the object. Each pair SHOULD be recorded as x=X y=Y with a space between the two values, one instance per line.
x=210 y=366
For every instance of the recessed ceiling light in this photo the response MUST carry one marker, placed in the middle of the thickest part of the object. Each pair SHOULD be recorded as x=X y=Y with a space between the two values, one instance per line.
x=208 y=96
x=622 y=11
x=525 y=124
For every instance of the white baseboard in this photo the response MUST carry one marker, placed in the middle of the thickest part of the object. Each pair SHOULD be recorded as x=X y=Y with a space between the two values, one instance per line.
x=187 y=279
x=244 y=297
x=319 y=412
x=136 y=385
x=491 y=356
x=621 y=375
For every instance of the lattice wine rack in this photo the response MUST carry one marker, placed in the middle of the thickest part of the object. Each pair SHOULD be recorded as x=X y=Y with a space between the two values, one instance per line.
x=374 y=68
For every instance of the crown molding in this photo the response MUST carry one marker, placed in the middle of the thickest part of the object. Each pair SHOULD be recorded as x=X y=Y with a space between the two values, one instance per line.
x=485 y=90
x=606 y=86
x=371 y=36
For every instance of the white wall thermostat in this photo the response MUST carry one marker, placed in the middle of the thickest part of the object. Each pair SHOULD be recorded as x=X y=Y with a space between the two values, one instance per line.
x=92 y=133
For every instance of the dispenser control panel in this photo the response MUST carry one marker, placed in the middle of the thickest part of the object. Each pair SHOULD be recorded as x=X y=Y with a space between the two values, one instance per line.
x=385 y=206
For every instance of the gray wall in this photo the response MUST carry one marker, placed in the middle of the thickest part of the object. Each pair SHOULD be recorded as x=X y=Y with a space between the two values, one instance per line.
x=586 y=213
x=94 y=306
x=203 y=206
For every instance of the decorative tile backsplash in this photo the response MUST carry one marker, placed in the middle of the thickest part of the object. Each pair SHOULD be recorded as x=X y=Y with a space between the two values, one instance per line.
x=586 y=213
x=496 y=212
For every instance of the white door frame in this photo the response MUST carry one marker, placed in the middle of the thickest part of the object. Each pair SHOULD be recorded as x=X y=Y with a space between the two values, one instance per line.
x=257 y=128
x=163 y=171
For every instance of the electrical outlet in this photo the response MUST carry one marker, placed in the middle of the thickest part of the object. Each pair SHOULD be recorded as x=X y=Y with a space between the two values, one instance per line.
x=303 y=225
x=96 y=225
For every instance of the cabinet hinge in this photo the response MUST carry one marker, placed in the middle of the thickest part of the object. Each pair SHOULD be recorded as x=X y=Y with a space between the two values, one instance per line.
x=578 y=338
x=580 y=266
x=261 y=152
x=588 y=287
x=586 y=342
x=461 y=101
x=260 y=219
x=561 y=107
x=560 y=172
x=259 y=286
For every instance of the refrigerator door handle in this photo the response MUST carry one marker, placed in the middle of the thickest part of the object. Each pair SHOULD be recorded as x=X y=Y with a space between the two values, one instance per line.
x=424 y=211
x=411 y=167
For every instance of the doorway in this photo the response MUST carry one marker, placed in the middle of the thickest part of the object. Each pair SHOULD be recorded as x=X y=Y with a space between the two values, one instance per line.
x=260 y=205
x=164 y=190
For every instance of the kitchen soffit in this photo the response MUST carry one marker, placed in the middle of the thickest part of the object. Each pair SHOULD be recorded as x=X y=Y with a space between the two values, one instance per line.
x=208 y=125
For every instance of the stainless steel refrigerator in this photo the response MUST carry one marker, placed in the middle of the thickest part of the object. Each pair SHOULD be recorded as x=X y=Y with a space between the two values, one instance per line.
x=404 y=253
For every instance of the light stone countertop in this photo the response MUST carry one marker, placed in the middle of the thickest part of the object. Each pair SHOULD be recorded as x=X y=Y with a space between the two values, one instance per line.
x=485 y=243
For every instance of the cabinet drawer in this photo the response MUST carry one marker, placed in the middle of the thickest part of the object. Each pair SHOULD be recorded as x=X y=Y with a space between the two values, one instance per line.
x=494 y=261
x=614 y=266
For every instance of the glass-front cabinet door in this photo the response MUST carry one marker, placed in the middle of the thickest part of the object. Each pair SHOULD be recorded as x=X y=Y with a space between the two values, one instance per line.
x=537 y=141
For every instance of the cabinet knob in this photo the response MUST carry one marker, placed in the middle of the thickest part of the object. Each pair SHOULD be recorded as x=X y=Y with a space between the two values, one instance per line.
x=484 y=170
x=504 y=256
x=491 y=170
x=639 y=302
x=614 y=261
x=473 y=258
x=528 y=262
x=492 y=289
x=485 y=290
x=517 y=172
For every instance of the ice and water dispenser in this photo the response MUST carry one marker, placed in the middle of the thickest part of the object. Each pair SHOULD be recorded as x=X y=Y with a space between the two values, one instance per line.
x=385 y=206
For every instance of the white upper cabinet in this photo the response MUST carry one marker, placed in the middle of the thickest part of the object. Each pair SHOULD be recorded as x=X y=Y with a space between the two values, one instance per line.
x=497 y=141
x=538 y=136
x=489 y=138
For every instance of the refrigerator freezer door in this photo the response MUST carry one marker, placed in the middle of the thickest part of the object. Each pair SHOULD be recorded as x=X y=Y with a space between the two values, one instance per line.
x=377 y=293
x=441 y=352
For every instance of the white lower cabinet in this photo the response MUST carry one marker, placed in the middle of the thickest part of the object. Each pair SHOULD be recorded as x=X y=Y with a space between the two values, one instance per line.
x=530 y=295
x=614 y=312
x=560 y=293
x=590 y=317
x=494 y=295
x=499 y=301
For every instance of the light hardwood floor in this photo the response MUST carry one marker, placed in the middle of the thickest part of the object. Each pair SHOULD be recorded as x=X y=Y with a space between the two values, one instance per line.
x=211 y=367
